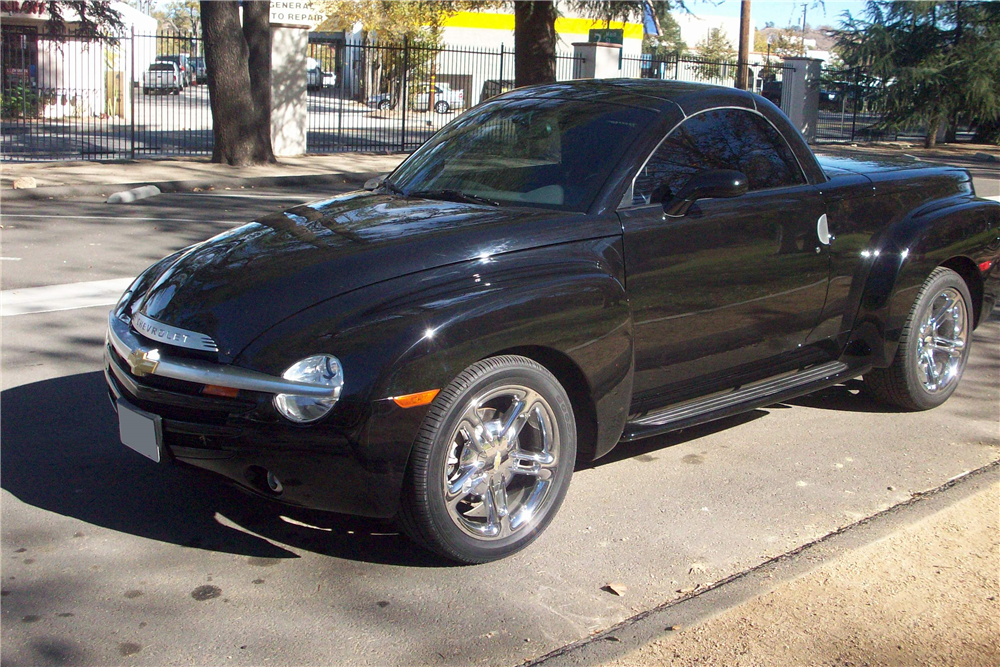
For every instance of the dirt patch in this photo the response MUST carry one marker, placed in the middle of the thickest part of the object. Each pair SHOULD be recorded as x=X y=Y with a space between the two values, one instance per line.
x=926 y=595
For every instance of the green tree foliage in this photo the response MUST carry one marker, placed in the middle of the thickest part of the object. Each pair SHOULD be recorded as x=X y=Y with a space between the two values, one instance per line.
x=784 y=42
x=718 y=53
x=391 y=20
x=936 y=63
x=668 y=43
x=180 y=17
x=94 y=20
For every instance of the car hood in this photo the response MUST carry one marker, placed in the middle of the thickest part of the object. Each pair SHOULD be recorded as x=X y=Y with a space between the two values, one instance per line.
x=235 y=286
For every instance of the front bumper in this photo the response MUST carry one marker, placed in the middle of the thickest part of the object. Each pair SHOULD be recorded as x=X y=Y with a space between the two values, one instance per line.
x=353 y=468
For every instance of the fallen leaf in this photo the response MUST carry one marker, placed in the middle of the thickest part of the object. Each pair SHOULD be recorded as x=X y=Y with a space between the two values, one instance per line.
x=615 y=589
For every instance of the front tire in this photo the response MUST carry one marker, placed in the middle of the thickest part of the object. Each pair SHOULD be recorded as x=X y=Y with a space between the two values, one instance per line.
x=491 y=463
x=442 y=107
x=933 y=348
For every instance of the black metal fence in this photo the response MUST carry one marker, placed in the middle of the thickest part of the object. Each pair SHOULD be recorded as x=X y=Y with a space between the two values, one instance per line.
x=849 y=107
x=393 y=97
x=764 y=78
x=63 y=99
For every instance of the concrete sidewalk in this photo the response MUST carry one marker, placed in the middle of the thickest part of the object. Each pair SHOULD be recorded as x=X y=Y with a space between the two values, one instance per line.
x=79 y=178
x=918 y=584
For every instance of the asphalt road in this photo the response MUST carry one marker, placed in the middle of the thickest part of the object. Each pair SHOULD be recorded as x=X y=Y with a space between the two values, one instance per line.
x=108 y=558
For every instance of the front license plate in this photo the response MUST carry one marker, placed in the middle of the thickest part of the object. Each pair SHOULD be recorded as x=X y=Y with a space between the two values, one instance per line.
x=140 y=430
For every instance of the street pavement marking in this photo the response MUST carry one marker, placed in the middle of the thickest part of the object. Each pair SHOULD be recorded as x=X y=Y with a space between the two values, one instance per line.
x=994 y=197
x=71 y=296
x=11 y=259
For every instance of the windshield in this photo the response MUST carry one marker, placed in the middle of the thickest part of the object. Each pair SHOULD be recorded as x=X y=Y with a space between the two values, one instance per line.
x=538 y=152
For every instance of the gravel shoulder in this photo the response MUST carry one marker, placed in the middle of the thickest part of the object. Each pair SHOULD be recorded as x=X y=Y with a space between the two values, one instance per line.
x=928 y=594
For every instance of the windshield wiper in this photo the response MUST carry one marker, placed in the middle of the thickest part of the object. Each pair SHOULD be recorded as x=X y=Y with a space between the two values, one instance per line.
x=393 y=188
x=454 y=195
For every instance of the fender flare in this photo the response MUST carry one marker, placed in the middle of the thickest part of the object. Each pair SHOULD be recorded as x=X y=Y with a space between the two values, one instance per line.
x=903 y=258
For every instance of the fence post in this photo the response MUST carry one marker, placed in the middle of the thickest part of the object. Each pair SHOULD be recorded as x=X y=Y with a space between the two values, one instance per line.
x=857 y=99
x=501 y=67
x=341 y=75
x=403 y=100
x=131 y=95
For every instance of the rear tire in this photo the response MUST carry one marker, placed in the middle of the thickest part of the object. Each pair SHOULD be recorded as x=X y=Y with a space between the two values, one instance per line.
x=933 y=348
x=442 y=107
x=491 y=463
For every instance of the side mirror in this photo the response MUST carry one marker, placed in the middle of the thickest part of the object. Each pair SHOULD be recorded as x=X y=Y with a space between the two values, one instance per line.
x=374 y=183
x=708 y=184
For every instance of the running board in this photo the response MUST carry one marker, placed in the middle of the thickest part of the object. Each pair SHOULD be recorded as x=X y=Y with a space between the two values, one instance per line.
x=758 y=395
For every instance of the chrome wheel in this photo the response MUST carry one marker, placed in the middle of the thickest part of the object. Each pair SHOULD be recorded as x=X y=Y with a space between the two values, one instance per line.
x=943 y=336
x=492 y=461
x=933 y=346
x=503 y=454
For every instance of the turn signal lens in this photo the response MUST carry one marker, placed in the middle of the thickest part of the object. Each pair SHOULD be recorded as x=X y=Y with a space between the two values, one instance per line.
x=413 y=400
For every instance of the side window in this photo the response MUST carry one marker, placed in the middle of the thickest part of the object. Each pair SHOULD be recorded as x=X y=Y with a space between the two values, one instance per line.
x=719 y=139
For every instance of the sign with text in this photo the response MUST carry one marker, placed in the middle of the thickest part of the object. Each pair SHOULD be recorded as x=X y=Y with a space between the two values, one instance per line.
x=295 y=13
x=607 y=35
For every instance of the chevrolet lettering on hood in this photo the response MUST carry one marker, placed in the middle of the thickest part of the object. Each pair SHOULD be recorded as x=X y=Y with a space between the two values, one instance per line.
x=559 y=271
x=173 y=335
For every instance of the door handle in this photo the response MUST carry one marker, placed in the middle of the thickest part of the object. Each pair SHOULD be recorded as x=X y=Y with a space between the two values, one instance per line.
x=823 y=230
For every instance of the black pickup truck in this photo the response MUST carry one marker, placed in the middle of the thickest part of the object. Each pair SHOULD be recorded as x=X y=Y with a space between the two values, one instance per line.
x=560 y=269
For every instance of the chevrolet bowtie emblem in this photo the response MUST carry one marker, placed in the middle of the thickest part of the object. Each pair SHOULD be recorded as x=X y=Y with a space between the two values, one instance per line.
x=144 y=362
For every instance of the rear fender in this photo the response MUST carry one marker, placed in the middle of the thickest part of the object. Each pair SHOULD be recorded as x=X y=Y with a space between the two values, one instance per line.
x=956 y=230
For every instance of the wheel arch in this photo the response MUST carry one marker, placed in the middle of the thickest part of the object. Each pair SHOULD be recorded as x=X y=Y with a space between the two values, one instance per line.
x=574 y=381
x=969 y=272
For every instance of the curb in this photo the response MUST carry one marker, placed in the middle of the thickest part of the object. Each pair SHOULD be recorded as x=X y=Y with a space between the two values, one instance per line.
x=334 y=178
x=694 y=608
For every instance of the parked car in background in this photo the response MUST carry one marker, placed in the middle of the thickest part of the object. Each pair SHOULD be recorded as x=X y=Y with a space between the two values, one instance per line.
x=771 y=91
x=494 y=87
x=445 y=98
x=830 y=100
x=200 y=71
x=183 y=65
x=560 y=270
x=382 y=101
x=162 y=77
x=314 y=74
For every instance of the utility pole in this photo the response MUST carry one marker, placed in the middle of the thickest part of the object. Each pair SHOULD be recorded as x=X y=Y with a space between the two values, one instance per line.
x=804 y=8
x=743 y=60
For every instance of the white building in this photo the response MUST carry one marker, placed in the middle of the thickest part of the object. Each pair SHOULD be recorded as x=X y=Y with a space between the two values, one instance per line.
x=697 y=27
x=72 y=78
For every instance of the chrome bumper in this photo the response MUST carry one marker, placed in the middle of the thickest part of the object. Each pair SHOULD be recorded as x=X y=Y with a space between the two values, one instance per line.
x=147 y=360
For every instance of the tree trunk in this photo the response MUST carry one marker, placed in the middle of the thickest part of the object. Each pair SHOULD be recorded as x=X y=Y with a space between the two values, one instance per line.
x=534 y=43
x=238 y=60
x=930 y=139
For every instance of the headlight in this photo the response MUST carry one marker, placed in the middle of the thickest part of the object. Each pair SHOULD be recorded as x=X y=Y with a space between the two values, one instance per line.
x=319 y=369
